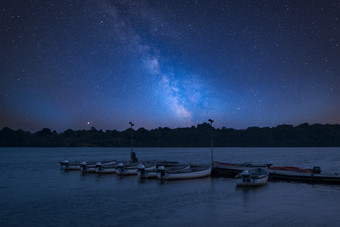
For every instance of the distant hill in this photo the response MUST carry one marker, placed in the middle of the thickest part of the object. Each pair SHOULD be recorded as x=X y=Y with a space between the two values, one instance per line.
x=303 y=135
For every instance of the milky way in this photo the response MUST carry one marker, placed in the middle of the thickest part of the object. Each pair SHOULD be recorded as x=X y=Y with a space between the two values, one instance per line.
x=82 y=64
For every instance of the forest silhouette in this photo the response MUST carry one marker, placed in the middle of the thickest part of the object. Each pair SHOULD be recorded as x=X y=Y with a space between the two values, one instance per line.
x=303 y=135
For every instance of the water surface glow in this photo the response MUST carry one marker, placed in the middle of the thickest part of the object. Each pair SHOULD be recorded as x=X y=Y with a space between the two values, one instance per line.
x=34 y=191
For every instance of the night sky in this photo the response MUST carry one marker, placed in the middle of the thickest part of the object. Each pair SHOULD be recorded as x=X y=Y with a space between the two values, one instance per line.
x=82 y=64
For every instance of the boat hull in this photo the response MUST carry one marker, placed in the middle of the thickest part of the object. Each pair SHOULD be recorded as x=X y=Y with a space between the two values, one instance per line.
x=253 y=182
x=71 y=167
x=96 y=168
x=232 y=169
x=132 y=170
x=106 y=170
x=67 y=166
x=303 y=177
x=125 y=171
x=252 y=177
x=149 y=174
x=88 y=169
x=190 y=173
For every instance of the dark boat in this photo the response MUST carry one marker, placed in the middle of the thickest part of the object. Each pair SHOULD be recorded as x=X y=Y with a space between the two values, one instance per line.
x=291 y=173
x=232 y=169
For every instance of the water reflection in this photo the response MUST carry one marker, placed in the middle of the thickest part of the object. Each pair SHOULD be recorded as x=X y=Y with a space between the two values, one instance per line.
x=60 y=198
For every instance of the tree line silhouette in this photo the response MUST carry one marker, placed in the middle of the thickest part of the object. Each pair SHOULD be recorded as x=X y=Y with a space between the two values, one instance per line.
x=303 y=135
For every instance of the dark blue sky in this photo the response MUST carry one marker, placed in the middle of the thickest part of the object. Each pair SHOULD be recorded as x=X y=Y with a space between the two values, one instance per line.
x=78 y=64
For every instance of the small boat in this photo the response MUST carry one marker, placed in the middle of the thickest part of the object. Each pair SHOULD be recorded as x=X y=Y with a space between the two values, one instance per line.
x=252 y=177
x=83 y=166
x=86 y=168
x=66 y=165
x=92 y=168
x=131 y=168
x=195 y=171
x=148 y=174
x=232 y=169
x=106 y=169
x=292 y=173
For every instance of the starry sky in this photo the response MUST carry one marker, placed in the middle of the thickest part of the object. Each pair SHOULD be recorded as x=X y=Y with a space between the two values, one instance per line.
x=100 y=63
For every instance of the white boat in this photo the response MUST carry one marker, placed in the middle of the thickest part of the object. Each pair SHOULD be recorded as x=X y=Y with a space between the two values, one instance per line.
x=92 y=168
x=131 y=168
x=195 y=171
x=148 y=174
x=66 y=165
x=142 y=173
x=126 y=169
x=84 y=166
x=106 y=168
x=252 y=177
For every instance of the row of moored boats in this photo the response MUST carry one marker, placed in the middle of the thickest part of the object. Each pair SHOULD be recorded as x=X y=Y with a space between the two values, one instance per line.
x=246 y=174
x=256 y=173
x=145 y=170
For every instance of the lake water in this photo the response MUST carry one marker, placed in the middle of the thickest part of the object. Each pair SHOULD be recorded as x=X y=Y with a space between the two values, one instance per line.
x=35 y=192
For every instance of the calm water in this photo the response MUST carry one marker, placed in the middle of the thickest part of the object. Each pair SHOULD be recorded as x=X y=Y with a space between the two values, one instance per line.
x=35 y=192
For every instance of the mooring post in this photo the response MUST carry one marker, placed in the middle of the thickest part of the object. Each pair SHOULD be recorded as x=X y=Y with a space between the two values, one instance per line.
x=211 y=142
